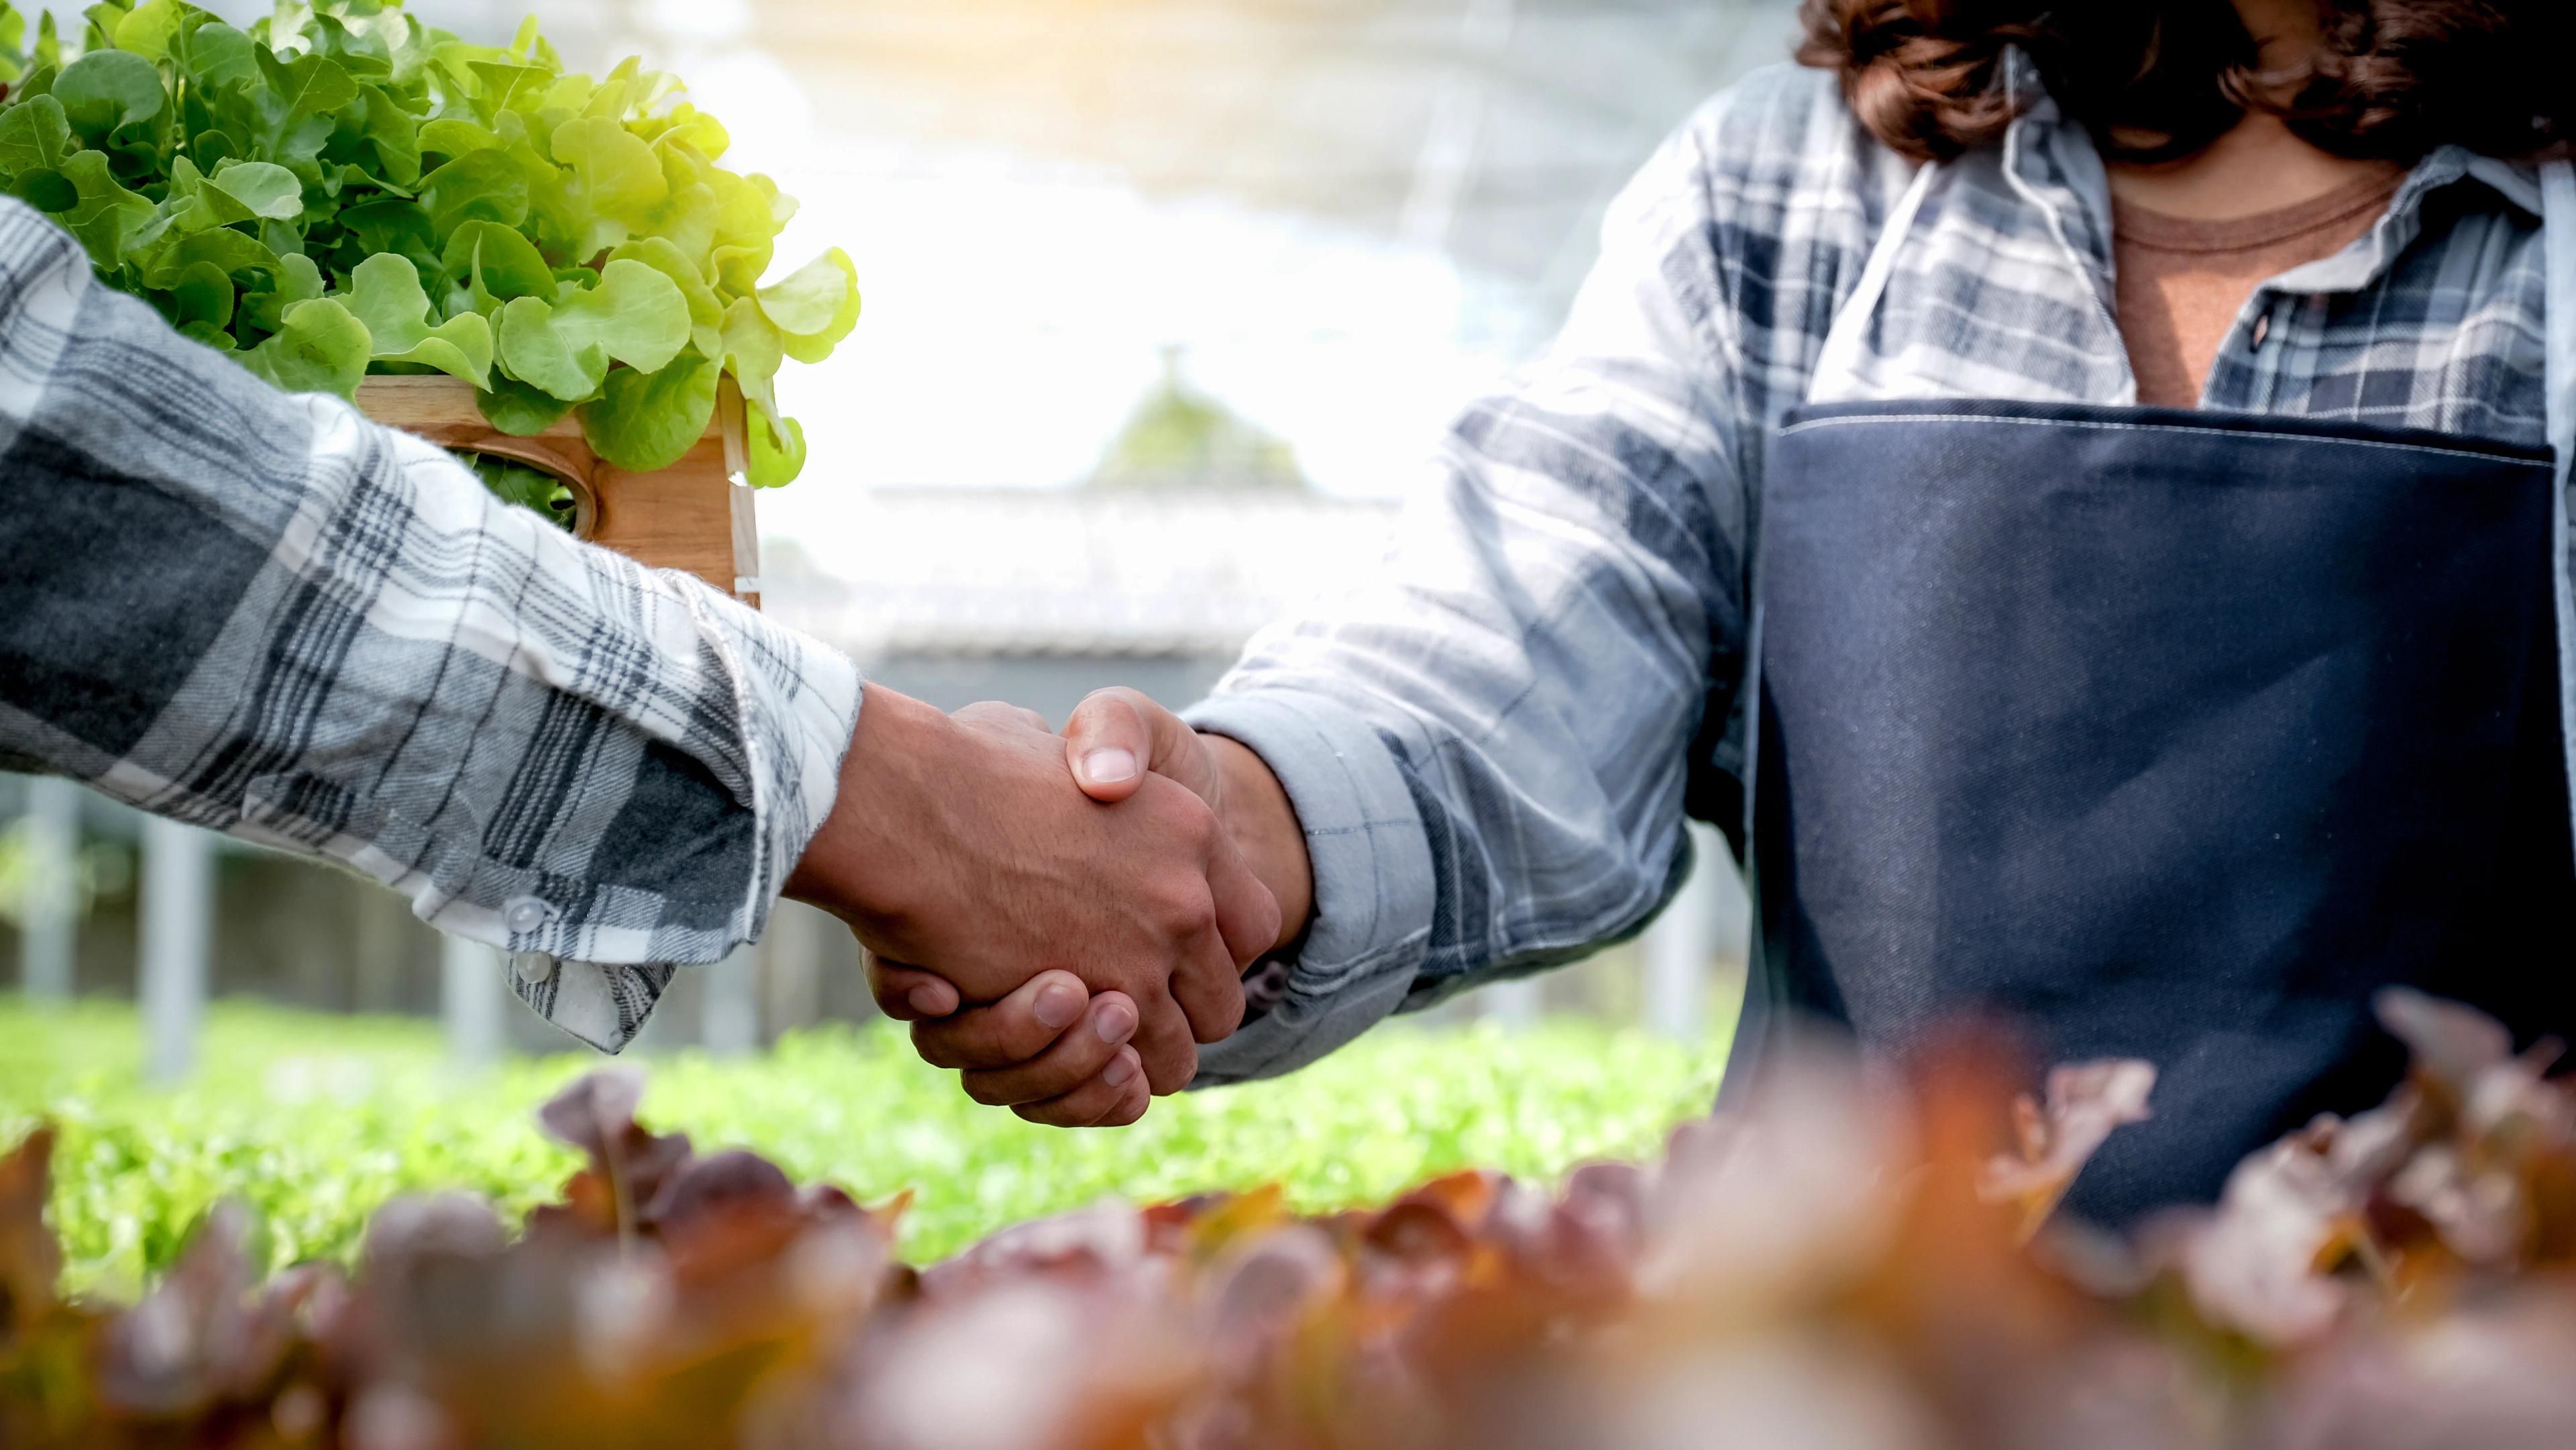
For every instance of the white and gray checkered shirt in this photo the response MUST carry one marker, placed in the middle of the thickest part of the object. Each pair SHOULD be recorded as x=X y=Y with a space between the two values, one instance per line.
x=266 y=615
x=1493 y=750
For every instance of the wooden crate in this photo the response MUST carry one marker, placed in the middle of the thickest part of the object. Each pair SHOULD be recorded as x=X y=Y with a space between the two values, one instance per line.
x=691 y=515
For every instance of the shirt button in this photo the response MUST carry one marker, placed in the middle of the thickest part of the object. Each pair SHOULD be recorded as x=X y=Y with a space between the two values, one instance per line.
x=534 y=968
x=524 y=914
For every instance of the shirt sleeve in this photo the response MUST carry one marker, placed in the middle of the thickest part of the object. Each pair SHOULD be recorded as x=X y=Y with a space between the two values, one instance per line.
x=1488 y=749
x=266 y=615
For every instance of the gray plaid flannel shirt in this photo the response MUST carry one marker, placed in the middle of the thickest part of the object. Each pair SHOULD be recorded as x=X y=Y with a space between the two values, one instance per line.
x=1492 y=751
x=266 y=615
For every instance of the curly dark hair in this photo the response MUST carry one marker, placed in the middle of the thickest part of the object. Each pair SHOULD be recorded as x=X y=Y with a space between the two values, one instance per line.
x=2160 y=79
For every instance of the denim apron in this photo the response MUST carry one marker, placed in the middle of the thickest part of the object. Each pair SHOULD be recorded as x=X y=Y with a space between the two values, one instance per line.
x=2165 y=735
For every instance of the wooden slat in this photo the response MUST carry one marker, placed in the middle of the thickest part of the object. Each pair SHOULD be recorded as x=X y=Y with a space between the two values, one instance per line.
x=679 y=518
x=690 y=516
x=443 y=410
x=746 y=545
x=729 y=424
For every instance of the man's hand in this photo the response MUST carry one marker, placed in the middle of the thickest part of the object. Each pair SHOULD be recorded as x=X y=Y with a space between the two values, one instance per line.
x=956 y=847
x=1118 y=745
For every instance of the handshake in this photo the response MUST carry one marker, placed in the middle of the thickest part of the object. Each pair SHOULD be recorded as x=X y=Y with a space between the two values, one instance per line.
x=1063 y=918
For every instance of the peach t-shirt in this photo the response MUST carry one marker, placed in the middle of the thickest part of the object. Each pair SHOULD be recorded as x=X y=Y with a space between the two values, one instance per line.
x=2182 y=283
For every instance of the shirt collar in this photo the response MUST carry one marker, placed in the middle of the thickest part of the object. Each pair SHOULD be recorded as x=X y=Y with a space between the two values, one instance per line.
x=2054 y=166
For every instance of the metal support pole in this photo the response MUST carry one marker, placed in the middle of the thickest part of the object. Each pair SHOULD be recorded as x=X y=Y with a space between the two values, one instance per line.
x=1516 y=1005
x=48 y=934
x=1444 y=169
x=470 y=993
x=1682 y=946
x=729 y=1012
x=791 y=966
x=178 y=930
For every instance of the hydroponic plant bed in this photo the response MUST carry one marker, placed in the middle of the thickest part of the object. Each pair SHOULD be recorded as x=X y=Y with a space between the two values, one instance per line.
x=313 y=1120
x=1827 y=1268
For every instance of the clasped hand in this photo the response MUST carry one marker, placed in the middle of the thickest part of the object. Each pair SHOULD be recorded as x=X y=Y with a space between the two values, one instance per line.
x=1067 y=951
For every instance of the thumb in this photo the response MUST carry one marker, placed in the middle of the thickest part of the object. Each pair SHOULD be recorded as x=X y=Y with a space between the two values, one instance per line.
x=1117 y=736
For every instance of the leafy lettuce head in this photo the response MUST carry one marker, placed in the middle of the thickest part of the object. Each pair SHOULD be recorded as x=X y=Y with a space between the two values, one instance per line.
x=341 y=190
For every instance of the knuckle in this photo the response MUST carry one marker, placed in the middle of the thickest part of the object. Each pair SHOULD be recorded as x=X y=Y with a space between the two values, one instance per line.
x=986 y=1090
x=1178 y=815
x=1073 y=1110
x=1197 y=825
x=1083 y=1107
x=1130 y=975
x=1099 y=710
x=1017 y=1037
x=1222 y=1023
x=1172 y=1071
x=1179 y=906
x=934 y=1046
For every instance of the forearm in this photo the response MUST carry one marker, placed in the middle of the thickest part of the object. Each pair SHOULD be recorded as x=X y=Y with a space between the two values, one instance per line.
x=874 y=861
x=1487 y=749
x=265 y=615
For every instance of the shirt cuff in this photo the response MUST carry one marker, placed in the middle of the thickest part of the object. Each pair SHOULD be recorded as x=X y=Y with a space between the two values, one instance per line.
x=1371 y=860
x=798 y=703
x=605 y=1006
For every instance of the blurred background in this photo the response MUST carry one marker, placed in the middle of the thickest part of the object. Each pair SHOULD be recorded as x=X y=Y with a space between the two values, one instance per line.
x=1167 y=302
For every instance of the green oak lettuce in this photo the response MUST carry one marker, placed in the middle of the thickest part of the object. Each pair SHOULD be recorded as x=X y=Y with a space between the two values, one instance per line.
x=340 y=190
x=314 y=1120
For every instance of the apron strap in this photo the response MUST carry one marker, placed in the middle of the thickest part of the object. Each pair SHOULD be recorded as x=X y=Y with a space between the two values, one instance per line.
x=1848 y=341
x=1765 y=1008
x=2558 y=247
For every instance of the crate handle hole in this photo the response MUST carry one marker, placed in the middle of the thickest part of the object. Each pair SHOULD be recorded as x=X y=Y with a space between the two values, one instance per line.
x=533 y=456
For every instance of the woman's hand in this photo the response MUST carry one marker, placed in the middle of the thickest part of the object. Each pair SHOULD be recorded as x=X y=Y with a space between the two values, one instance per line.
x=1115 y=731
x=1041 y=1050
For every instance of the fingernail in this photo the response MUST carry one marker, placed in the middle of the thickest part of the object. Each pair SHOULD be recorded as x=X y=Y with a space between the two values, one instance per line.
x=1058 y=1004
x=1120 y=1069
x=1109 y=767
x=1117 y=1022
x=927 y=1001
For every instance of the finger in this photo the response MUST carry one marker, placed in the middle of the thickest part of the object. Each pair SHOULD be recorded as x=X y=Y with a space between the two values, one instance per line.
x=1002 y=712
x=1165 y=1046
x=1111 y=1098
x=1130 y=1108
x=1005 y=1033
x=1209 y=987
x=909 y=994
x=1247 y=914
x=1077 y=1055
x=1116 y=736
